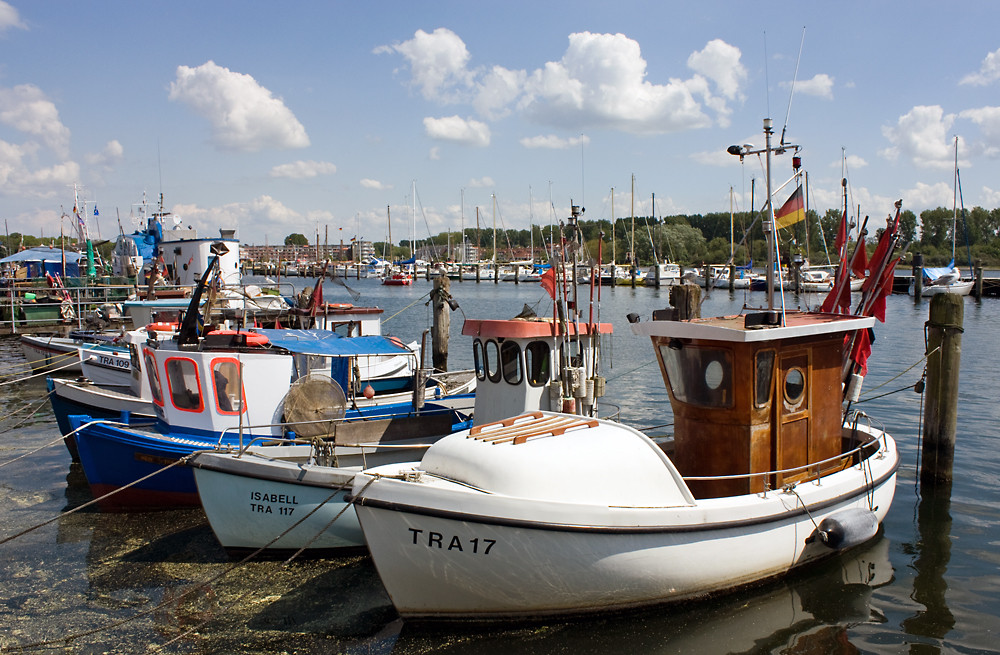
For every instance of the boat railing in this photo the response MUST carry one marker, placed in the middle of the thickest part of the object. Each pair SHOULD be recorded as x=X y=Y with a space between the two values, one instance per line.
x=240 y=429
x=814 y=470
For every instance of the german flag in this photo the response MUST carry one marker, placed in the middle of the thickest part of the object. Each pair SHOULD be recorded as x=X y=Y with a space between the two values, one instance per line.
x=792 y=211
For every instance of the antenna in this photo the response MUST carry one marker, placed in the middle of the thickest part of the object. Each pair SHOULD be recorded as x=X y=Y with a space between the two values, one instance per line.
x=791 y=92
x=767 y=79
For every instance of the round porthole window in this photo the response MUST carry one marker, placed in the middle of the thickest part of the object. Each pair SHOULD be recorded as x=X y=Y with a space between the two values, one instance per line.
x=713 y=374
x=795 y=386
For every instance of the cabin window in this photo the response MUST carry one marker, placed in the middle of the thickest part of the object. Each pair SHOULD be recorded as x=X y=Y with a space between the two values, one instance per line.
x=154 y=377
x=478 y=358
x=184 y=385
x=764 y=374
x=699 y=376
x=795 y=386
x=510 y=362
x=492 y=361
x=227 y=377
x=536 y=355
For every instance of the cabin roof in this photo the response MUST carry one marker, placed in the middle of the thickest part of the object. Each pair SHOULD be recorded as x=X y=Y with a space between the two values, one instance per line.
x=734 y=328
x=527 y=328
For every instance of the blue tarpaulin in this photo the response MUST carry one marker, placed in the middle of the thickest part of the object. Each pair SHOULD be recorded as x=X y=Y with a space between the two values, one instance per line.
x=46 y=260
x=330 y=344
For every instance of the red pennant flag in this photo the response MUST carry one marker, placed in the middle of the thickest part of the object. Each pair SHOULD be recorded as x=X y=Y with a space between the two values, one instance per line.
x=861 y=350
x=549 y=281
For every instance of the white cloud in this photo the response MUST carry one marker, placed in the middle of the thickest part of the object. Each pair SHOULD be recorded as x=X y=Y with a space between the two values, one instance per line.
x=485 y=182
x=988 y=120
x=9 y=18
x=18 y=179
x=263 y=210
x=460 y=130
x=990 y=198
x=497 y=91
x=720 y=62
x=375 y=184
x=434 y=153
x=298 y=170
x=853 y=162
x=26 y=108
x=924 y=196
x=437 y=63
x=553 y=142
x=921 y=136
x=601 y=82
x=112 y=154
x=989 y=71
x=244 y=115
x=821 y=86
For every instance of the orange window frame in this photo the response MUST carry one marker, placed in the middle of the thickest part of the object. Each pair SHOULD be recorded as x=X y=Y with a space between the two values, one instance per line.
x=243 y=391
x=170 y=387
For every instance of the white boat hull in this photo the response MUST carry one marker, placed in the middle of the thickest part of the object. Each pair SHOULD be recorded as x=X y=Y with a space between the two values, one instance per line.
x=963 y=288
x=247 y=510
x=51 y=354
x=446 y=551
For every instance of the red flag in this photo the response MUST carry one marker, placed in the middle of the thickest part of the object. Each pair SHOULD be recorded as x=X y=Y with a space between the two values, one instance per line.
x=878 y=304
x=316 y=299
x=549 y=281
x=860 y=264
x=861 y=350
x=841 y=236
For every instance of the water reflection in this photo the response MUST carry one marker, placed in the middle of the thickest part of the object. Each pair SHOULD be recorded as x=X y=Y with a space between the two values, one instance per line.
x=931 y=555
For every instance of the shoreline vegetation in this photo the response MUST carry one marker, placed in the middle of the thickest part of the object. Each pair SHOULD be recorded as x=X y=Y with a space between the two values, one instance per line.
x=687 y=239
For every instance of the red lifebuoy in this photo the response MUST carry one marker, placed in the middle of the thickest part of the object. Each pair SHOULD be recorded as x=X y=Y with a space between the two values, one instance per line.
x=251 y=338
x=162 y=326
x=339 y=305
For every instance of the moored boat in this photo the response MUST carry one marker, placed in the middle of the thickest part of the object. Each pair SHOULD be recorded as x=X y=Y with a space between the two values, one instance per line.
x=550 y=514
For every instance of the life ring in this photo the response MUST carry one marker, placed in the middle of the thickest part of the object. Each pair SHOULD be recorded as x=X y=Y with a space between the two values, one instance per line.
x=339 y=305
x=162 y=326
x=398 y=342
x=251 y=338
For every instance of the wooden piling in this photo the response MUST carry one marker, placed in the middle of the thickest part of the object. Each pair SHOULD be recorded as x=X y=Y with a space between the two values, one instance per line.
x=977 y=288
x=944 y=347
x=441 y=326
x=918 y=277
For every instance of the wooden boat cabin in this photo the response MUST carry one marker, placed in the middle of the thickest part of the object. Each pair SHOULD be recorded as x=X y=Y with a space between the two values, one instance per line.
x=534 y=363
x=752 y=398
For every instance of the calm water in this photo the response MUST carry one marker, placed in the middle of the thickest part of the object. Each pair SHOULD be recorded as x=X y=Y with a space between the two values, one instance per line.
x=929 y=584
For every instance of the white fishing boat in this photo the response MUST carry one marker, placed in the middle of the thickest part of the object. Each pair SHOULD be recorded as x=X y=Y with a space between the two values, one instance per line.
x=550 y=514
x=521 y=364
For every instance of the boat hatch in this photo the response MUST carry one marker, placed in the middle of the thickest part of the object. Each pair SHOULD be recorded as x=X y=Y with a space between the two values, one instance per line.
x=519 y=429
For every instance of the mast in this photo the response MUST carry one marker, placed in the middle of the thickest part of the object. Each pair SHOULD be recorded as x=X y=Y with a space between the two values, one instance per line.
x=769 y=232
x=632 y=240
x=462 y=259
x=388 y=221
x=614 y=252
x=954 y=202
x=413 y=226
x=494 y=196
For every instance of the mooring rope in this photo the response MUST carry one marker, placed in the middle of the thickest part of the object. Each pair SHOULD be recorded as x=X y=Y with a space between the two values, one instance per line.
x=384 y=321
x=89 y=503
x=36 y=450
x=211 y=579
x=47 y=371
x=230 y=605
x=901 y=374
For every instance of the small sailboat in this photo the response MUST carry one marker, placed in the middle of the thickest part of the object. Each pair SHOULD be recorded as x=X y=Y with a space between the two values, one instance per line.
x=947 y=279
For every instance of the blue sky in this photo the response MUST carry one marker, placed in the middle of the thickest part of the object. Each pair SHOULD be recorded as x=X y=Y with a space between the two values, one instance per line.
x=309 y=117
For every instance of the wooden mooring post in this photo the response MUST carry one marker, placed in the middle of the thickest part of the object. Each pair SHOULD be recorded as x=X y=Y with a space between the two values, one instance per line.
x=440 y=329
x=944 y=347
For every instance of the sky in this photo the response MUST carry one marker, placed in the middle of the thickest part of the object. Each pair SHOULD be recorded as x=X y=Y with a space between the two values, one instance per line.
x=337 y=119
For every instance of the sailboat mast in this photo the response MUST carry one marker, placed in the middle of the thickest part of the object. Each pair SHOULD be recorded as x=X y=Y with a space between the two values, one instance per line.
x=413 y=225
x=954 y=202
x=632 y=240
x=462 y=260
x=494 y=229
x=614 y=252
x=388 y=222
